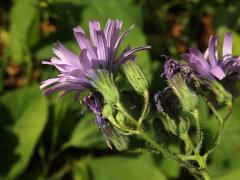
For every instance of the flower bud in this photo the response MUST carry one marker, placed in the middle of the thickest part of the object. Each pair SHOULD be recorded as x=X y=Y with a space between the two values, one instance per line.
x=105 y=85
x=135 y=76
x=188 y=99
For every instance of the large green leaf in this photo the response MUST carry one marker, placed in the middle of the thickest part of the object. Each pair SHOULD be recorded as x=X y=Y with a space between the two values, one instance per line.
x=127 y=168
x=23 y=117
x=23 y=15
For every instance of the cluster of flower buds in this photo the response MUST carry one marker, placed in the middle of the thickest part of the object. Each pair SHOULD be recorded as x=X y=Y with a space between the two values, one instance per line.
x=197 y=76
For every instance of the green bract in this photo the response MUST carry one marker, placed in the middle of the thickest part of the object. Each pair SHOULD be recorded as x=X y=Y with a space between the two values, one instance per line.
x=188 y=99
x=105 y=85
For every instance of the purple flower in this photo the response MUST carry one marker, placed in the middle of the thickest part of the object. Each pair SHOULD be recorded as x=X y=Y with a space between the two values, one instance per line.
x=209 y=65
x=78 y=72
x=171 y=67
x=111 y=136
x=95 y=102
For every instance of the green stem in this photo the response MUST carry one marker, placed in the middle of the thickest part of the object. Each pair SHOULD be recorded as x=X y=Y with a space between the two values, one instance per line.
x=166 y=152
x=205 y=175
x=125 y=112
x=220 y=119
x=161 y=148
x=145 y=106
x=188 y=143
x=119 y=126
x=220 y=130
x=198 y=126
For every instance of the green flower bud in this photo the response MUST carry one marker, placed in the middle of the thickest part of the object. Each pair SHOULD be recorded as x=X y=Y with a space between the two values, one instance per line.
x=135 y=76
x=188 y=99
x=105 y=85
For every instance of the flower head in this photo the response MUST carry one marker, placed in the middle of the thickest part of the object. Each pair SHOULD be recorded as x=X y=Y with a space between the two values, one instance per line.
x=171 y=67
x=97 y=58
x=209 y=65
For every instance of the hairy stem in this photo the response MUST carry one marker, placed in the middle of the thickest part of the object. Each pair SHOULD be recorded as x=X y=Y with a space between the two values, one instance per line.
x=145 y=106
x=126 y=113
x=166 y=152
x=159 y=147
x=197 y=120
x=188 y=143
x=220 y=130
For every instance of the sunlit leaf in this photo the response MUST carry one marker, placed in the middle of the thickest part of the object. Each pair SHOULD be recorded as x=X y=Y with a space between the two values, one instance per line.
x=23 y=118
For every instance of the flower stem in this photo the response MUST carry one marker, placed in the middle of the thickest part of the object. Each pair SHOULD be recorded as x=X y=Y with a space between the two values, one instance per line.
x=145 y=106
x=220 y=130
x=188 y=143
x=159 y=147
x=195 y=114
x=126 y=113
x=205 y=175
x=166 y=152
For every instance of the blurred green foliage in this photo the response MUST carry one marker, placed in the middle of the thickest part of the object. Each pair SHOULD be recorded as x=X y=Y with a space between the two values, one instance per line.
x=44 y=138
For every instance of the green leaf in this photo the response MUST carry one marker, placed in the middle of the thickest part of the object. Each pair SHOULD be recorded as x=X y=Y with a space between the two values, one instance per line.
x=23 y=117
x=23 y=14
x=127 y=168
x=85 y=134
x=227 y=154
x=232 y=175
